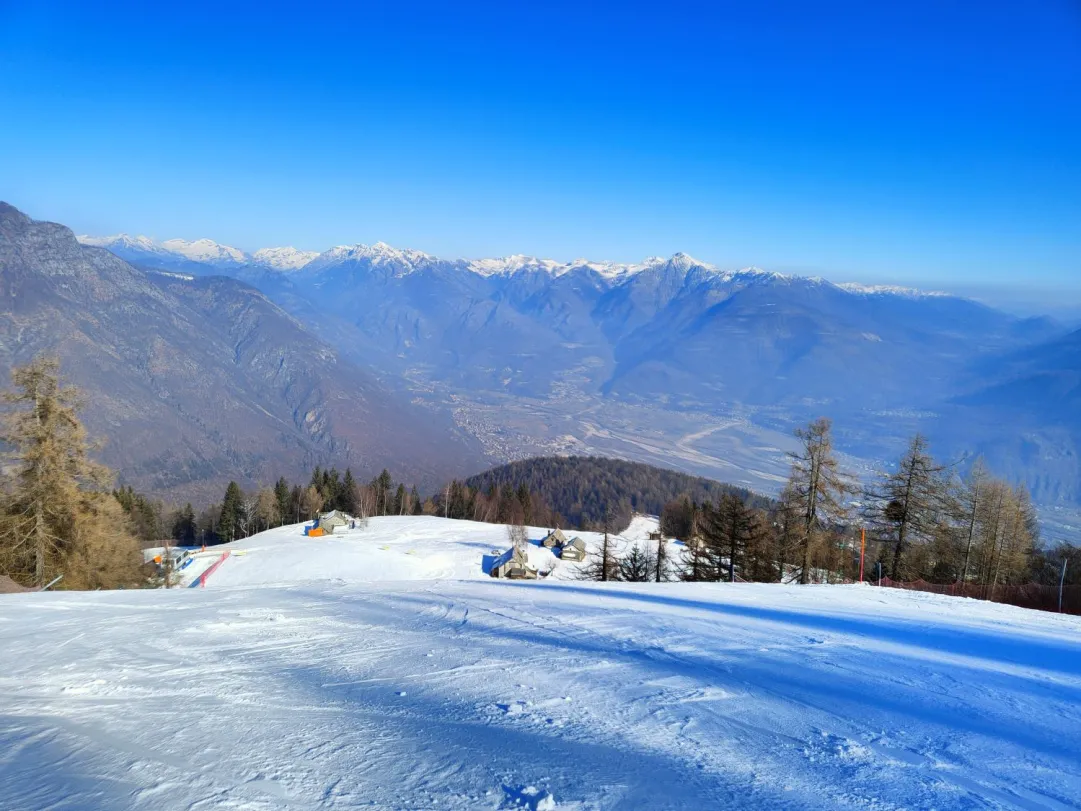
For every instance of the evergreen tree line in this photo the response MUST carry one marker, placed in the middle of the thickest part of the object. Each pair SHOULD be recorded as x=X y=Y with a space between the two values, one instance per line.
x=922 y=521
x=503 y=504
x=240 y=513
x=727 y=540
x=582 y=490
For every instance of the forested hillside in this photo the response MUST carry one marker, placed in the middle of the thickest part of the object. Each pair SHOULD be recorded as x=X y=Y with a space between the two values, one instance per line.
x=581 y=488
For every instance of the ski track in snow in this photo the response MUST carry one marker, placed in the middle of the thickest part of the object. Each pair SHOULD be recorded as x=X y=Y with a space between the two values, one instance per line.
x=278 y=688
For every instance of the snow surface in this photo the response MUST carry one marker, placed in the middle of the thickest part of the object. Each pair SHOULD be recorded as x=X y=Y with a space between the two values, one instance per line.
x=383 y=669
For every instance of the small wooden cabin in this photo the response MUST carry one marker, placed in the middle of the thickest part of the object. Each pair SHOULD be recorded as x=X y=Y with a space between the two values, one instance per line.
x=574 y=549
x=514 y=565
x=332 y=520
x=554 y=539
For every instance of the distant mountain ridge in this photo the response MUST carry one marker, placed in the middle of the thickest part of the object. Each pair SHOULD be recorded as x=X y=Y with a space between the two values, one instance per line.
x=641 y=331
x=223 y=258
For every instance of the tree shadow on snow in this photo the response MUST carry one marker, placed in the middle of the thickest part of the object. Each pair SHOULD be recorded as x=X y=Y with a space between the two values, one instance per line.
x=1062 y=656
x=823 y=688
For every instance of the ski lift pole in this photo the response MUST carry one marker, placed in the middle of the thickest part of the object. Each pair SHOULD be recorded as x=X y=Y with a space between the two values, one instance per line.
x=1061 y=583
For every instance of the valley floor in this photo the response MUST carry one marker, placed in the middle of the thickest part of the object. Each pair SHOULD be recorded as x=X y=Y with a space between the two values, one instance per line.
x=297 y=685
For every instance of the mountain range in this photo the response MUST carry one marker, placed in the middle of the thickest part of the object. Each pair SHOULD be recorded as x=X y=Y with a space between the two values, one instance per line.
x=199 y=380
x=675 y=328
x=670 y=361
x=679 y=362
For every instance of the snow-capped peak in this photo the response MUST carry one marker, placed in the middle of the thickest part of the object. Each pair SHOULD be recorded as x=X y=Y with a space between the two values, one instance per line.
x=612 y=270
x=399 y=261
x=402 y=262
x=514 y=263
x=121 y=241
x=889 y=290
x=205 y=250
x=685 y=261
x=285 y=258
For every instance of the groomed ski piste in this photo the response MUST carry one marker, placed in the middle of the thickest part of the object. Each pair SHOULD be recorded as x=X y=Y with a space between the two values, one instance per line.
x=382 y=668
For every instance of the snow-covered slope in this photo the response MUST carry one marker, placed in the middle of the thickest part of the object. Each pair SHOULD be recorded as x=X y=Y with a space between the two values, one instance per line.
x=392 y=548
x=287 y=684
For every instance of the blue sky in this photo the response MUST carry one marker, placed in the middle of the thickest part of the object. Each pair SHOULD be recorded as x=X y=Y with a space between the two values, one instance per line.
x=928 y=142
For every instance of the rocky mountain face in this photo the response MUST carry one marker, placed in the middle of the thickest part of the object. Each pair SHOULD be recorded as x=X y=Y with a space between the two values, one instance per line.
x=199 y=379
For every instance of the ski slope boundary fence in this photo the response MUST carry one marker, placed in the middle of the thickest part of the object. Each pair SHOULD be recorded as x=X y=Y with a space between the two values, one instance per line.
x=1029 y=595
x=200 y=581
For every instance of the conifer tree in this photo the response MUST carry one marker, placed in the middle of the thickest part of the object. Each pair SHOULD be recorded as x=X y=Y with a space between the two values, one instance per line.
x=56 y=514
x=759 y=556
x=636 y=566
x=509 y=506
x=817 y=486
x=728 y=531
x=910 y=504
x=604 y=564
x=786 y=521
x=296 y=503
x=383 y=484
x=660 y=561
x=698 y=563
x=232 y=513
x=281 y=495
x=970 y=502
x=526 y=502
x=679 y=518
x=331 y=490
x=348 y=498
x=184 y=528
x=145 y=515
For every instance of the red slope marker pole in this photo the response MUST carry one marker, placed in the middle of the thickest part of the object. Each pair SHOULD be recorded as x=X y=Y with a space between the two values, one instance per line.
x=863 y=546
